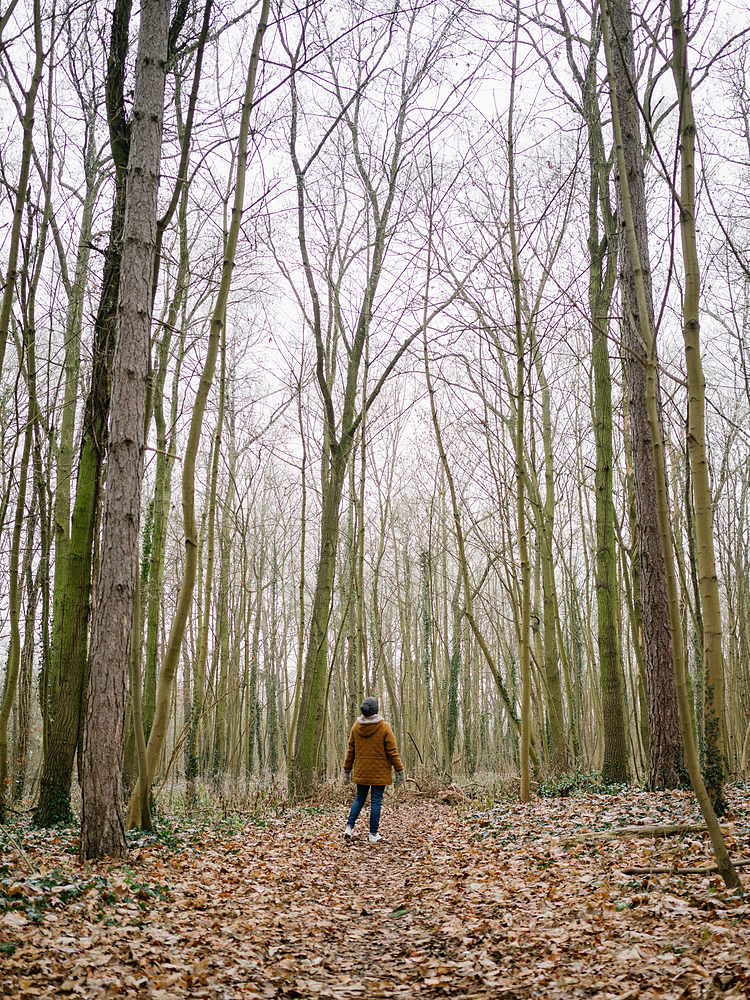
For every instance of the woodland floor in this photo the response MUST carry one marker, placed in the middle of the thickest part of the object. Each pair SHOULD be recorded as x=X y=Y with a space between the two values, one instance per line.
x=455 y=902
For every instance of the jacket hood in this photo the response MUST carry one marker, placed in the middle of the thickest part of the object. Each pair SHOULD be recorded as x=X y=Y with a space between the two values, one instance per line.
x=369 y=726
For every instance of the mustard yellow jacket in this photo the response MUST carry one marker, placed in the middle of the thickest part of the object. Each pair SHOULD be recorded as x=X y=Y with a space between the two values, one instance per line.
x=372 y=751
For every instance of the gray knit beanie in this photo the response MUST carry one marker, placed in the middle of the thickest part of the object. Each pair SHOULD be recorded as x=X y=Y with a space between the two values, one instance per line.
x=369 y=707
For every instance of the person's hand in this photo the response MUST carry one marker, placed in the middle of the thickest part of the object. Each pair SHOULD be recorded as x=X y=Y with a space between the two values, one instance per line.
x=401 y=778
x=347 y=777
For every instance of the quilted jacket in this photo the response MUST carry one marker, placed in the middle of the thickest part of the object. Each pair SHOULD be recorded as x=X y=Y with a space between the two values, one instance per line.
x=372 y=752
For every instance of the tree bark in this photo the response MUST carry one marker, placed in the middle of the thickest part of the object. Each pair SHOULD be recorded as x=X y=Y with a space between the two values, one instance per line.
x=64 y=681
x=667 y=768
x=172 y=652
x=723 y=861
x=103 y=828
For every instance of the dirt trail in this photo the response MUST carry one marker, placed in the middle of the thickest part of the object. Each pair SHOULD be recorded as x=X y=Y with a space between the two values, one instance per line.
x=290 y=909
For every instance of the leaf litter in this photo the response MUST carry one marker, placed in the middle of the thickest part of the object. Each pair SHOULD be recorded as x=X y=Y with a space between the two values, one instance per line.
x=454 y=902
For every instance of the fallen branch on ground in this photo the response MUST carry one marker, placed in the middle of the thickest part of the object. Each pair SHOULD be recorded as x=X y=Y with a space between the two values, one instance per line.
x=710 y=869
x=651 y=832
x=452 y=795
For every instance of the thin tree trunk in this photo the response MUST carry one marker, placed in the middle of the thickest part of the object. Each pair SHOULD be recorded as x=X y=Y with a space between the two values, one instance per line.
x=135 y=689
x=558 y=750
x=222 y=726
x=525 y=566
x=603 y=257
x=23 y=180
x=463 y=564
x=14 y=602
x=301 y=587
x=714 y=761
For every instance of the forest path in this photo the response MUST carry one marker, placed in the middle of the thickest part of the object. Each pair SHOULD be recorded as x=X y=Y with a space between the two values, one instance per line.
x=482 y=904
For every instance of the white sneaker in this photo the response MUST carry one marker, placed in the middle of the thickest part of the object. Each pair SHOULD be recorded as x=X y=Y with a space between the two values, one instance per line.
x=348 y=832
x=374 y=838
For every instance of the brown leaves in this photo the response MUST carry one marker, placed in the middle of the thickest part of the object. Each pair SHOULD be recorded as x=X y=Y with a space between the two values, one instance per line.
x=478 y=906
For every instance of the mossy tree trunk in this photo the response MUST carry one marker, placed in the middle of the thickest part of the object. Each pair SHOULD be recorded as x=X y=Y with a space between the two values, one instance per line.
x=602 y=241
x=14 y=602
x=714 y=753
x=340 y=431
x=63 y=684
x=602 y=249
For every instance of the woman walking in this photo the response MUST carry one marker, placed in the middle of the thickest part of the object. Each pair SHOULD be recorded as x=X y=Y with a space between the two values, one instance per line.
x=372 y=752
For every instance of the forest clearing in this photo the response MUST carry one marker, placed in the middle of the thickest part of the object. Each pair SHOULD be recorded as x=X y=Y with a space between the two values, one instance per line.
x=473 y=900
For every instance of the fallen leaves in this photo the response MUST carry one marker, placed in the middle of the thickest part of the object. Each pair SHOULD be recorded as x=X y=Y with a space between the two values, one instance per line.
x=450 y=904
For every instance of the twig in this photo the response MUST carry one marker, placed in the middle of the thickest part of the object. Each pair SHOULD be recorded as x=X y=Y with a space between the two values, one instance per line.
x=19 y=847
x=160 y=451
x=415 y=746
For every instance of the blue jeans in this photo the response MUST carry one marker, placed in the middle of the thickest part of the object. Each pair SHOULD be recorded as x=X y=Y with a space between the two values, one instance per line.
x=376 y=801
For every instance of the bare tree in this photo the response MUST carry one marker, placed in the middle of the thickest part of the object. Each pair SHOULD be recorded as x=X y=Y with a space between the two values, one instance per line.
x=103 y=826
x=665 y=743
x=723 y=861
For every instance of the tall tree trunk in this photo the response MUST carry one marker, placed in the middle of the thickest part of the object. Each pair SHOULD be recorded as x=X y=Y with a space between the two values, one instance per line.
x=14 y=602
x=558 y=750
x=714 y=760
x=163 y=487
x=254 y=730
x=25 y=674
x=723 y=861
x=272 y=711
x=103 y=827
x=525 y=565
x=340 y=433
x=603 y=258
x=27 y=123
x=171 y=658
x=63 y=683
x=222 y=724
x=64 y=454
x=301 y=584
x=310 y=730
x=667 y=768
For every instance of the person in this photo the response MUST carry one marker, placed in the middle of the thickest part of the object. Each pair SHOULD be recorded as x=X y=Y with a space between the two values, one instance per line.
x=371 y=755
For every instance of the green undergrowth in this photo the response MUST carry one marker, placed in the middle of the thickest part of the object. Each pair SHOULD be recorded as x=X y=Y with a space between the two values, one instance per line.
x=41 y=889
x=562 y=785
x=40 y=872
